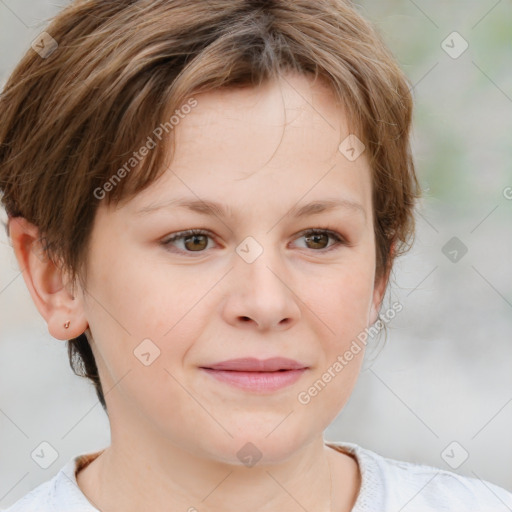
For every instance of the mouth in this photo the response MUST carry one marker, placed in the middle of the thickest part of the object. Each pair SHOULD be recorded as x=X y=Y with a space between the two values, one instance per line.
x=252 y=364
x=257 y=375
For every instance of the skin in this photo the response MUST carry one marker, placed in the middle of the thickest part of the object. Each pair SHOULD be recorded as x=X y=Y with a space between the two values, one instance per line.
x=175 y=430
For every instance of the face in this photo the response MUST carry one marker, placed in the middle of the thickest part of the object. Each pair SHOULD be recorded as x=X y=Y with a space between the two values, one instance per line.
x=252 y=282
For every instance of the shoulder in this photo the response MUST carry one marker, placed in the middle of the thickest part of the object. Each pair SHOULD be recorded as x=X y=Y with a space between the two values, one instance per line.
x=424 y=487
x=37 y=499
x=397 y=485
x=59 y=494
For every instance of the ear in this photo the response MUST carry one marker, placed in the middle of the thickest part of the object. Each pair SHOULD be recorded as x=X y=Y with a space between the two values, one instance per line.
x=378 y=295
x=46 y=283
x=379 y=291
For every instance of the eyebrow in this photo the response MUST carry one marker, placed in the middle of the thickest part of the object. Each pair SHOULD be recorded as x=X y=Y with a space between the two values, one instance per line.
x=220 y=210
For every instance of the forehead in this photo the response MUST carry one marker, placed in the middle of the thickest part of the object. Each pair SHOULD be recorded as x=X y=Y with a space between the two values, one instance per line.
x=272 y=143
x=292 y=101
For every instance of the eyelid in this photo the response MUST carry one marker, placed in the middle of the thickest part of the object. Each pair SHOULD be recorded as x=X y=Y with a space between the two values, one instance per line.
x=340 y=240
x=335 y=234
x=185 y=234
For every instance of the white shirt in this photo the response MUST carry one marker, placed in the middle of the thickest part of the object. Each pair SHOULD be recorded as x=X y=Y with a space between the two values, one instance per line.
x=387 y=485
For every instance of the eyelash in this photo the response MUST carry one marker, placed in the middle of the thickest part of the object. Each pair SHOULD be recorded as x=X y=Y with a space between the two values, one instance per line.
x=339 y=239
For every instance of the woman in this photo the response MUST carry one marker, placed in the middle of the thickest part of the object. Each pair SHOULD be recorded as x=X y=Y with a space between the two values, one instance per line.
x=207 y=199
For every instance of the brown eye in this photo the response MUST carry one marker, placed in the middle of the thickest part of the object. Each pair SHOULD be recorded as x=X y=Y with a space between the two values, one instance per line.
x=196 y=242
x=318 y=239
x=192 y=241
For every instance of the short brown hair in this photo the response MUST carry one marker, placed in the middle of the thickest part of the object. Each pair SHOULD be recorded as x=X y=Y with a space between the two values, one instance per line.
x=72 y=119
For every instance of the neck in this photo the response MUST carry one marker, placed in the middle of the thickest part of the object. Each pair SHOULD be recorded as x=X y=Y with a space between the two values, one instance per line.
x=130 y=480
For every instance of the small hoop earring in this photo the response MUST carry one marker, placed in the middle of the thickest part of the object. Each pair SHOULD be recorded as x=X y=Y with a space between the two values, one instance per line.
x=66 y=325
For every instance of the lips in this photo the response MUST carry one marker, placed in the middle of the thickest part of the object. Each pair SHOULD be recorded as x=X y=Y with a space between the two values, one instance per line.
x=256 y=375
x=252 y=364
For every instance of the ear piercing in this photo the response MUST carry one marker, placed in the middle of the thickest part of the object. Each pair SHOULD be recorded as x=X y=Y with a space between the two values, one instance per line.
x=66 y=325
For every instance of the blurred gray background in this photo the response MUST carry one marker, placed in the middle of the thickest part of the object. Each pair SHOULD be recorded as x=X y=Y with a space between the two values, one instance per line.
x=444 y=373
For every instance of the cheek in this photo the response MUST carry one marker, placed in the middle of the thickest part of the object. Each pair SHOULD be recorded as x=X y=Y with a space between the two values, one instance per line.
x=143 y=322
x=328 y=390
x=340 y=300
x=147 y=299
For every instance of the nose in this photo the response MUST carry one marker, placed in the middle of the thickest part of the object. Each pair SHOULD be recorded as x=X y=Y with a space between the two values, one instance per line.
x=261 y=295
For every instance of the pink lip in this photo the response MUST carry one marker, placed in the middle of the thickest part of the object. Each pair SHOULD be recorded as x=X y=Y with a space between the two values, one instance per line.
x=257 y=375
x=252 y=364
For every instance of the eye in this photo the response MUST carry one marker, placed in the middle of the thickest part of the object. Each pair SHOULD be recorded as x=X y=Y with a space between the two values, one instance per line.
x=317 y=237
x=196 y=240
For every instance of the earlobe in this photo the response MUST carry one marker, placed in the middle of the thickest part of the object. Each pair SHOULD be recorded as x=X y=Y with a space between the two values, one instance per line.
x=46 y=282
x=380 y=286
x=375 y=307
x=377 y=298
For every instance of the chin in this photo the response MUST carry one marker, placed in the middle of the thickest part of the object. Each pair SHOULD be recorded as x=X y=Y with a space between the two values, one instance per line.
x=253 y=446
